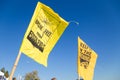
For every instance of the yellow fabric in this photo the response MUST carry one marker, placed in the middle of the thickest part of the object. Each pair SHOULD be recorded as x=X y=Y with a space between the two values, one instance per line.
x=86 y=60
x=43 y=32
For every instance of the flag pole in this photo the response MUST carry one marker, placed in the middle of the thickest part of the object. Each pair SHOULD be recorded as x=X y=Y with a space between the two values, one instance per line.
x=78 y=77
x=78 y=61
x=14 y=66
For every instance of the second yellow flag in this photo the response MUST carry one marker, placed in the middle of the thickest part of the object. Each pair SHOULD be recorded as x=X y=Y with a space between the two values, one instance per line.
x=86 y=60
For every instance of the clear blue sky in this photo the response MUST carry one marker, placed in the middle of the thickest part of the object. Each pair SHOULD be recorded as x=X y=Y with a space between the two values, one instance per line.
x=99 y=27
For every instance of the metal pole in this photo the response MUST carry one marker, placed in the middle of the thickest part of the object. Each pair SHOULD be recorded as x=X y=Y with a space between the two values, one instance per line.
x=78 y=77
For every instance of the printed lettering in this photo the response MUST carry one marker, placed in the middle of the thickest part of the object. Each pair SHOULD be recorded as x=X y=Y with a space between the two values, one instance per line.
x=35 y=41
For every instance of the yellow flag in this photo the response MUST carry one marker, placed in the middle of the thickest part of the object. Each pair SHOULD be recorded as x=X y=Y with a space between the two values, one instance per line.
x=43 y=32
x=86 y=60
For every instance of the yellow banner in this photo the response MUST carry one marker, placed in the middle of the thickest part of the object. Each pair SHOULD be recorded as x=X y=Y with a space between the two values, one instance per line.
x=43 y=32
x=86 y=60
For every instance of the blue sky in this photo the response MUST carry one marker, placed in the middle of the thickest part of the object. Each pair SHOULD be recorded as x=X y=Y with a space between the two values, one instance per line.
x=99 y=27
